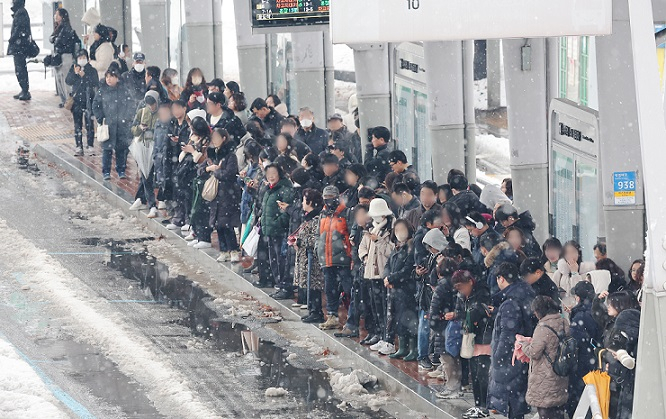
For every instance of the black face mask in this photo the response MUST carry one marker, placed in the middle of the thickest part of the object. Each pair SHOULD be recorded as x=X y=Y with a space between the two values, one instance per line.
x=332 y=204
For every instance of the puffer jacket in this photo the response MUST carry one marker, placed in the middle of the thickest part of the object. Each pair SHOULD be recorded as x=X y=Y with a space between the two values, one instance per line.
x=467 y=201
x=566 y=280
x=65 y=40
x=111 y=105
x=145 y=116
x=443 y=301
x=103 y=59
x=527 y=225
x=21 y=33
x=333 y=246
x=399 y=268
x=375 y=253
x=544 y=387
x=471 y=311
x=275 y=223
x=499 y=254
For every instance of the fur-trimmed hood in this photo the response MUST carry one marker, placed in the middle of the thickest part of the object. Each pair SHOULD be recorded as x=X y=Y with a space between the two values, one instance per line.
x=500 y=248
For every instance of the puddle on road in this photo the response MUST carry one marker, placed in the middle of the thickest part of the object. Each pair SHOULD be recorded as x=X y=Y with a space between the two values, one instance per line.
x=267 y=362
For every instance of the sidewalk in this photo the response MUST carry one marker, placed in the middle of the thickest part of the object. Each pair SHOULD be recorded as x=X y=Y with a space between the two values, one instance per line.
x=50 y=129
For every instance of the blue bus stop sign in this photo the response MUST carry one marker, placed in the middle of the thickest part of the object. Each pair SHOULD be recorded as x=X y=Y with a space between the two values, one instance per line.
x=624 y=185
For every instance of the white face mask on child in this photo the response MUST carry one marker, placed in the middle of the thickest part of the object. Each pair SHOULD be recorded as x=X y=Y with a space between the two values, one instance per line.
x=82 y=62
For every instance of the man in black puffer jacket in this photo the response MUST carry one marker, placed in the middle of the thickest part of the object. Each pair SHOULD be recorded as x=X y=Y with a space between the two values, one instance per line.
x=513 y=315
x=19 y=46
x=466 y=200
x=508 y=216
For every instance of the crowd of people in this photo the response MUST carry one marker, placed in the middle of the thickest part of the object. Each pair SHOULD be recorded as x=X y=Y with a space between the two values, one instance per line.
x=449 y=276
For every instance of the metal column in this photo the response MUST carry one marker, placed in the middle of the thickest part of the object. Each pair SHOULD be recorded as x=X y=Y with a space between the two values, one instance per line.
x=373 y=87
x=252 y=54
x=527 y=110
x=309 y=85
x=493 y=51
x=445 y=97
x=469 y=111
x=218 y=44
x=620 y=137
x=155 y=32
x=329 y=74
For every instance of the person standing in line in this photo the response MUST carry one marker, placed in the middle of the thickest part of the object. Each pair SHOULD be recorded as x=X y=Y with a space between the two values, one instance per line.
x=19 y=44
x=65 y=43
x=143 y=130
x=83 y=79
x=111 y=106
x=104 y=54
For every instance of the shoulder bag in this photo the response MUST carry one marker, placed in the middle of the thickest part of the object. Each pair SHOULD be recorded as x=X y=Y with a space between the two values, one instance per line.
x=103 y=132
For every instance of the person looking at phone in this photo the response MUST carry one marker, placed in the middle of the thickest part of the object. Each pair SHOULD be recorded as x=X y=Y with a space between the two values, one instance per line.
x=83 y=79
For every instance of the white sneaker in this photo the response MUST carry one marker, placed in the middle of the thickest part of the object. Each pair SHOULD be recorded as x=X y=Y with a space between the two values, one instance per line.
x=172 y=227
x=378 y=345
x=161 y=205
x=448 y=394
x=202 y=245
x=90 y=151
x=137 y=205
x=190 y=237
x=234 y=257
x=438 y=373
x=186 y=227
x=193 y=242
x=295 y=305
x=224 y=257
x=388 y=349
x=153 y=213
x=304 y=307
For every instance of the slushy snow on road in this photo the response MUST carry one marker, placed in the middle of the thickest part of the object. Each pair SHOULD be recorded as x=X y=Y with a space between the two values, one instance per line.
x=22 y=393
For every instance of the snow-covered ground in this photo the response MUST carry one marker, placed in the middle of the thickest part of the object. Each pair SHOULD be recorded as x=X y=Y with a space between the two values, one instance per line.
x=22 y=392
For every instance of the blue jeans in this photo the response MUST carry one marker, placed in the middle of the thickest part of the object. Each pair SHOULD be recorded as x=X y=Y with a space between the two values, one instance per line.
x=121 y=160
x=423 y=335
x=334 y=277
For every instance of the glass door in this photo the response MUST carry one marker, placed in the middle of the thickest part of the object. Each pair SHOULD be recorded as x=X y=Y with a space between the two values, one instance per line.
x=404 y=121
x=563 y=198
x=587 y=205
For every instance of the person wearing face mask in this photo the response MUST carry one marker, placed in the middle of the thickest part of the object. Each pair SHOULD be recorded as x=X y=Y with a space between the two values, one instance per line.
x=195 y=91
x=316 y=138
x=135 y=79
x=374 y=250
x=83 y=79
x=398 y=281
x=334 y=253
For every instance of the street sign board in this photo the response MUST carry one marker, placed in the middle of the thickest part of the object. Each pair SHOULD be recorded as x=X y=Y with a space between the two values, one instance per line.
x=267 y=14
x=624 y=186
x=372 y=21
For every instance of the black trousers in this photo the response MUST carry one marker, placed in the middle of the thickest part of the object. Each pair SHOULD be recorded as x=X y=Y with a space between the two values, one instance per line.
x=227 y=238
x=183 y=205
x=401 y=318
x=146 y=190
x=361 y=306
x=480 y=366
x=81 y=119
x=21 y=70
x=551 y=412
x=201 y=222
x=378 y=300
x=278 y=262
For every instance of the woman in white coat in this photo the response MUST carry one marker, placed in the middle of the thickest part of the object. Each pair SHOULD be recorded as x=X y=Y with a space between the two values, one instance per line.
x=570 y=270
x=104 y=54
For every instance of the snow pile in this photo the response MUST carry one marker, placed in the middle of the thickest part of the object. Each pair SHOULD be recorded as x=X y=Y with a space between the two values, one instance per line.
x=98 y=323
x=494 y=149
x=22 y=393
x=352 y=388
x=275 y=392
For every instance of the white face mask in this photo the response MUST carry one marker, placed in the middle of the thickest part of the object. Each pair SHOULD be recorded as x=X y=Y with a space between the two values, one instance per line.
x=201 y=99
x=306 y=123
x=139 y=67
x=401 y=236
x=82 y=62
x=378 y=220
x=196 y=81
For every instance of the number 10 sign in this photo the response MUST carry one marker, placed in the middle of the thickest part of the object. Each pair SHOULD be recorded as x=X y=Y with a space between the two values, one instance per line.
x=624 y=185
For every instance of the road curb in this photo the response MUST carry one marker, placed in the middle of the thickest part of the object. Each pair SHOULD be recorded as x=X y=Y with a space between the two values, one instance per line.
x=403 y=388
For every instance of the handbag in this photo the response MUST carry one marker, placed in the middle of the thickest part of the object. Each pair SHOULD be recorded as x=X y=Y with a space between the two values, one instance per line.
x=69 y=103
x=467 y=345
x=33 y=48
x=251 y=243
x=103 y=132
x=209 y=191
x=293 y=237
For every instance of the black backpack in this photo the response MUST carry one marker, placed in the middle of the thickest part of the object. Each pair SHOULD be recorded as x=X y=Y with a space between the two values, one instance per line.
x=566 y=357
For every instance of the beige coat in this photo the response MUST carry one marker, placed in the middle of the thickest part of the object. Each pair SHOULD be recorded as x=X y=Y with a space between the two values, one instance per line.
x=103 y=59
x=375 y=254
x=566 y=280
x=544 y=387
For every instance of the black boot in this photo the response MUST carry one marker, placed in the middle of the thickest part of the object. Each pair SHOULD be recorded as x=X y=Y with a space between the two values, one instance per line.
x=316 y=315
x=79 y=145
x=18 y=95
x=25 y=95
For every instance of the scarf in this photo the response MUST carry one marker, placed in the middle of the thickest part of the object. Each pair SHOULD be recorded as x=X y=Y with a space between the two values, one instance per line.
x=377 y=227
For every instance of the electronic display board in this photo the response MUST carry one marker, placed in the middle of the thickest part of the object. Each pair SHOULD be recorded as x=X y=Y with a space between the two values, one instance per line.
x=268 y=14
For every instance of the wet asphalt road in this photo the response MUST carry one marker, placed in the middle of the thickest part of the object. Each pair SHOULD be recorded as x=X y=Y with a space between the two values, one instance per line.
x=49 y=211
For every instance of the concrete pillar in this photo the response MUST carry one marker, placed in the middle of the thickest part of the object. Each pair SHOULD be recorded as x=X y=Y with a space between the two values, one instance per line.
x=650 y=389
x=527 y=113
x=469 y=111
x=252 y=54
x=76 y=10
x=493 y=52
x=218 y=41
x=155 y=32
x=620 y=149
x=445 y=100
x=329 y=74
x=308 y=87
x=118 y=15
x=198 y=34
x=373 y=87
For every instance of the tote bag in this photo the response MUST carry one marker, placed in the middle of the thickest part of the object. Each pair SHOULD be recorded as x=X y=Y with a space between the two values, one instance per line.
x=103 y=132
x=252 y=242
